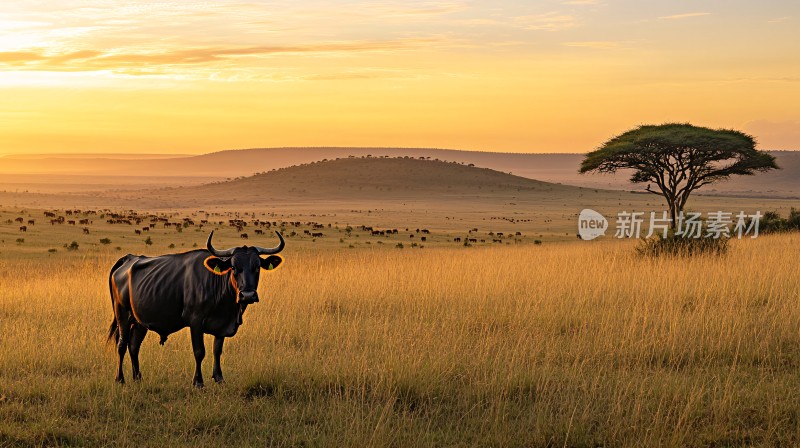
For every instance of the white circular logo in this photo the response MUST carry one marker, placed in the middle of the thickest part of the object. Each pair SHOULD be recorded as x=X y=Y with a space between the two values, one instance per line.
x=591 y=224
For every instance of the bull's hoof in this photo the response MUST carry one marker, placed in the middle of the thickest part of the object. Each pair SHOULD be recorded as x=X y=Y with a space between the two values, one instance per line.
x=137 y=376
x=198 y=385
x=219 y=379
x=120 y=380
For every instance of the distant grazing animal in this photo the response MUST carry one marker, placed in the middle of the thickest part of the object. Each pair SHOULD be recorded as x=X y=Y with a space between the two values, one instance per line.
x=244 y=236
x=473 y=240
x=137 y=231
x=259 y=232
x=457 y=240
x=31 y=222
x=19 y=220
x=23 y=228
x=423 y=239
x=86 y=230
x=72 y=223
x=205 y=290
x=316 y=234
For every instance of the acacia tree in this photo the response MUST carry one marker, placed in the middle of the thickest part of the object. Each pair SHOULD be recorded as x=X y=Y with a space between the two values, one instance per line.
x=679 y=158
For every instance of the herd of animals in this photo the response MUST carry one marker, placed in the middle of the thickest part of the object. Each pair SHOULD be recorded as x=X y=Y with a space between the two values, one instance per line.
x=244 y=225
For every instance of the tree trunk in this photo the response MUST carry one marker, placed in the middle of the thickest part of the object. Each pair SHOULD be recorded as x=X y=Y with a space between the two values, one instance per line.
x=673 y=214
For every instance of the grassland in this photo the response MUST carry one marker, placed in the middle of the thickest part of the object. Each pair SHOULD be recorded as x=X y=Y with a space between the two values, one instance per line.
x=359 y=343
x=570 y=344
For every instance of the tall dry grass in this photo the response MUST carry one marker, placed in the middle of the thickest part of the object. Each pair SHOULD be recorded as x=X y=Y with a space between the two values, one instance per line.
x=567 y=345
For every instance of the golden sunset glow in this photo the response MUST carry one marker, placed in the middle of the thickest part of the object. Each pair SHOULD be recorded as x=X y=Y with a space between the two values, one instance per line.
x=544 y=76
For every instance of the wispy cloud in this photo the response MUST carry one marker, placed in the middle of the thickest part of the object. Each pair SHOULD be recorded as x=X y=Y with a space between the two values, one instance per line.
x=780 y=19
x=12 y=57
x=685 y=15
x=89 y=60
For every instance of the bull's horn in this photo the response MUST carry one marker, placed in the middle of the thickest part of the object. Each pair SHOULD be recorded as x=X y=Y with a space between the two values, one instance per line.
x=274 y=250
x=217 y=253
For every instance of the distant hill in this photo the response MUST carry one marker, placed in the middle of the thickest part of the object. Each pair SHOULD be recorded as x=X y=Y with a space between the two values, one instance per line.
x=556 y=168
x=370 y=178
x=385 y=192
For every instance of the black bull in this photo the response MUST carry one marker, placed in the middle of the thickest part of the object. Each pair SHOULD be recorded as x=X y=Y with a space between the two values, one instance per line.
x=205 y=290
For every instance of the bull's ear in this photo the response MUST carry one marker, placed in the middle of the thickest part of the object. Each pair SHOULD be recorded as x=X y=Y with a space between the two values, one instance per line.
x=218 y=266
x=271 y=262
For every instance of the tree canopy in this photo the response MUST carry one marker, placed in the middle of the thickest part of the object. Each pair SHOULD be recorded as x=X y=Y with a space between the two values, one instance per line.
x=679 y=158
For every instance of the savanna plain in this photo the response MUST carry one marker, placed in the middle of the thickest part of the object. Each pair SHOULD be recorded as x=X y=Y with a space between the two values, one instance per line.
x=467 y=337
x=570 y=344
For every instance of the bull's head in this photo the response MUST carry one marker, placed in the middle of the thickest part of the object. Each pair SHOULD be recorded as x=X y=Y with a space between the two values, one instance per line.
x=244 y=265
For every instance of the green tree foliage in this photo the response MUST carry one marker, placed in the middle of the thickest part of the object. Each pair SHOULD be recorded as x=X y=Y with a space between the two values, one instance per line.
x=679 y=158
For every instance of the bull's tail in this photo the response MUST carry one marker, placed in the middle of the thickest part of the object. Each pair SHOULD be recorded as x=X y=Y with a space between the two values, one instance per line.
x=113 y=332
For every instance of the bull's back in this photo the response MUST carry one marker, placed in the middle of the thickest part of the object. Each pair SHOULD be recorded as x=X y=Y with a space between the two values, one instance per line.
x=152 y=288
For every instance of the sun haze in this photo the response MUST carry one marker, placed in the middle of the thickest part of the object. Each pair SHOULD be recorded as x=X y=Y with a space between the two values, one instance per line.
x=547 y=76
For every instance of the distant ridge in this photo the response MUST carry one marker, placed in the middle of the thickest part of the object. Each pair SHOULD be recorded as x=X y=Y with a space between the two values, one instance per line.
x=245 y=162
x=371 y=178
x=120 y=156
x=556 y=168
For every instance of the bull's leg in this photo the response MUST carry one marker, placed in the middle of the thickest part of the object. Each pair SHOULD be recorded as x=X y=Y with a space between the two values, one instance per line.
x=217 y=375
x=199 y=353
x=137 y=336
x=123 y=326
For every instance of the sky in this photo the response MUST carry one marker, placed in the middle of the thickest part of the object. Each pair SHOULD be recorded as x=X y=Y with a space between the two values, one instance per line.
x=98 y=76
